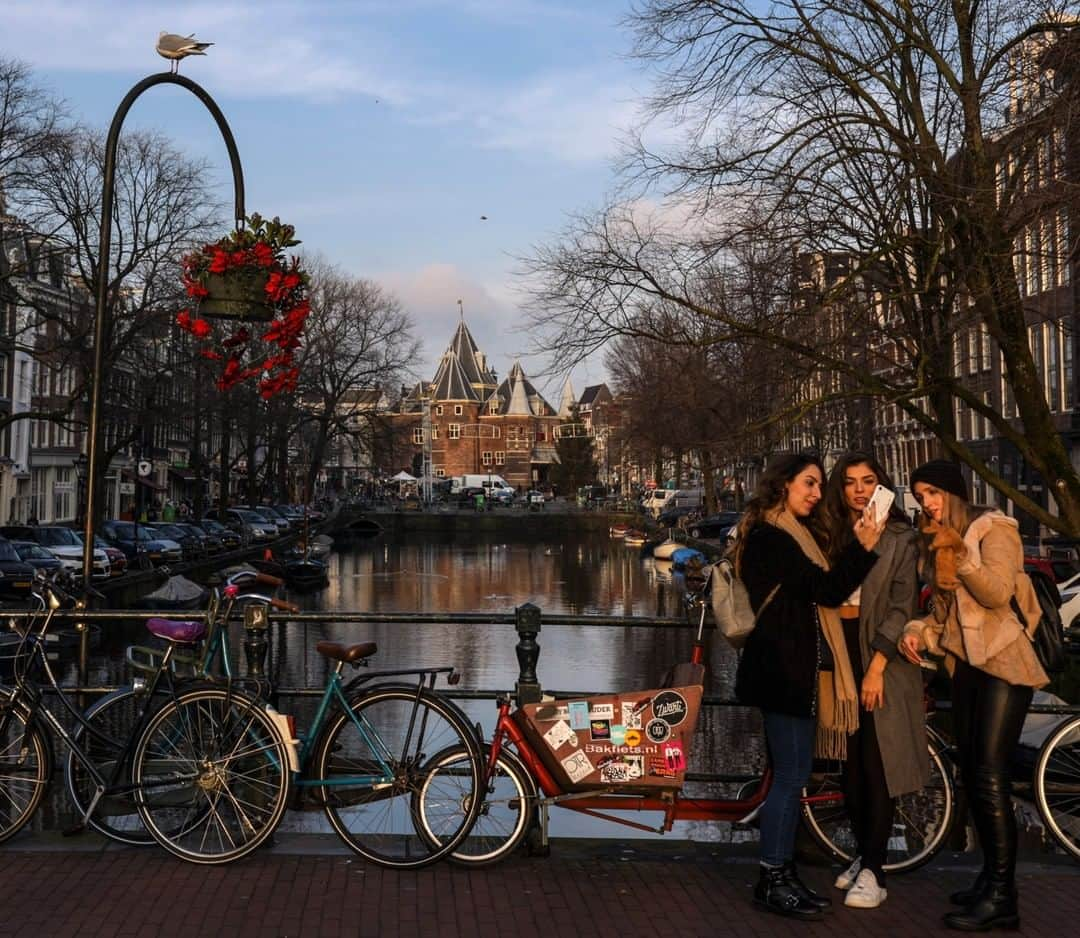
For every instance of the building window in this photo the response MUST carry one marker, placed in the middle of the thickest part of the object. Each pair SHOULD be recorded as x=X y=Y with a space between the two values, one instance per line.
x=973 y=351
x=434 y=433
x=1067 y=365
x=458 y=410
x=440 y=473
x=984 y=339
x=485 y=457
x=541 y=435
x=438 y=410
x=418 y=435
x=454 y=431
x=493 y=408
x=1053 y=374
x=500 y=458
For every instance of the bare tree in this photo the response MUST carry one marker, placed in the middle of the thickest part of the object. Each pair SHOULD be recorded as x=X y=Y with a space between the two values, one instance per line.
x=853 y=127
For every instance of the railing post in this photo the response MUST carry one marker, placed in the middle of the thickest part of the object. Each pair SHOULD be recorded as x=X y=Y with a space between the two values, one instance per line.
x=527 y=623
x=256 y=623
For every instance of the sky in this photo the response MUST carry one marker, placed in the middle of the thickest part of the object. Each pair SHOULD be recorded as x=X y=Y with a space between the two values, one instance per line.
x=383 y=130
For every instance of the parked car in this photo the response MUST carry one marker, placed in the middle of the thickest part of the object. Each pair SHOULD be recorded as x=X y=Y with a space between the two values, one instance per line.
x=230 y=539
x=118 y=562
x=40 y=558
x=211 y=543
x=140 y=541
x=15 y=574
x=249 y=525
x=670 y=517
x=534 y=500
x=190 y=544
x=716 y=525
x=267 y=519
x=65 y=544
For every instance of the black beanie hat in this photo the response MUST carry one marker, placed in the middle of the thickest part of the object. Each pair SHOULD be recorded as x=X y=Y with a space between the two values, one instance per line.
x=942 y=474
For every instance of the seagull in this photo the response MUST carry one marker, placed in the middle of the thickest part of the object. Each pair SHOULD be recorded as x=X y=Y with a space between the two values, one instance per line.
x=483 y=218
x=174 y=47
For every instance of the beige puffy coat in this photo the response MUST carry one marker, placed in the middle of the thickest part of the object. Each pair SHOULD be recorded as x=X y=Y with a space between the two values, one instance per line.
x=980 y=625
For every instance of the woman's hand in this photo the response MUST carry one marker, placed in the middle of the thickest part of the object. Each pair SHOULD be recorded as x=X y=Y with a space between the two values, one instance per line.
x=910 y=645
x=872 y=693
x=868 y=530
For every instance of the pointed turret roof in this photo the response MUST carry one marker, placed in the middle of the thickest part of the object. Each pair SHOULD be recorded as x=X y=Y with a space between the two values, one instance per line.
x=451 y=382
x=516 y=395
x=566 y=403
x=470 y=358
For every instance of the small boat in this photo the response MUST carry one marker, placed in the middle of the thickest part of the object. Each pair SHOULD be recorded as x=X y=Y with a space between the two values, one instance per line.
x=306 y=574
x=685 y=556
x=665 y=549
x=177 y=592
x=635 y=538
x=618 y=530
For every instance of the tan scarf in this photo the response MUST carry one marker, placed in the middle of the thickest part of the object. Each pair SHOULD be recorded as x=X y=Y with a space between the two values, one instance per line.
x=838 y=699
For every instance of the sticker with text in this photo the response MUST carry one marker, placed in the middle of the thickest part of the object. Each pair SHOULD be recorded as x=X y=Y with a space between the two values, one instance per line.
x=670 y=707
x=631 y=715
x=551 y=712
x=600 y=729
x=577 y=766
x=579 y=715
x=602 y=711
x=657 y=731
x=633 y=737
x=618 y=734
x=674 y=757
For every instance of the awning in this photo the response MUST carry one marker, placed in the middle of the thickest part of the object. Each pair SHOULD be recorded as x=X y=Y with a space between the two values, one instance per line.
x=129 y=476
x=185 y=475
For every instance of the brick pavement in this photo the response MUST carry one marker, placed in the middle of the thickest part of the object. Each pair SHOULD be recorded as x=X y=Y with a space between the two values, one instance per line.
x=307 y=886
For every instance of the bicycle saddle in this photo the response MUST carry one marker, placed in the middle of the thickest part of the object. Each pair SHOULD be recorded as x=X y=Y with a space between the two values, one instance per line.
x=347 y=653
x=173 y=630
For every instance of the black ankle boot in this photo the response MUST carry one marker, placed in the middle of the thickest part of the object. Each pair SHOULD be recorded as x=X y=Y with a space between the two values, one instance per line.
x=995 y=908
x=803 y=891
x=774 y=893
x=972 y=893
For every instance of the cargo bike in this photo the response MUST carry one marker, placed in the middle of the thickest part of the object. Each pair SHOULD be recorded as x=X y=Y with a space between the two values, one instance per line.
x=609 y=754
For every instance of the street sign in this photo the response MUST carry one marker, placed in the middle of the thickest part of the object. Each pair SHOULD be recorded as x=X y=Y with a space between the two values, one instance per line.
x=145 y=467
x=127 y=488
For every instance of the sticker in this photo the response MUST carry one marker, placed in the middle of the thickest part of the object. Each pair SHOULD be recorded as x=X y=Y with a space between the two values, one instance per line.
x=633 y=737
x=579 y=715
x=658 y=769
x=602 y=712
x=658 y=731
x=670 y=707
x=618 y=734
x=616 y=773
x=607 y=749
x=577 y=766
x=637 y=765
x=631 y=716
x=552 y=712
x=674 y=757
x=600 y=729
x=559 y=735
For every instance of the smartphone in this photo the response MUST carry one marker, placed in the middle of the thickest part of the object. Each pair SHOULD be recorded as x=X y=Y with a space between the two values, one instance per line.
x=880 y=503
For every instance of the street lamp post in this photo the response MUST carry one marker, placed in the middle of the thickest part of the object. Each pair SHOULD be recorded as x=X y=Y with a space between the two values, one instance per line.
x=79 y=462
x=102 y=289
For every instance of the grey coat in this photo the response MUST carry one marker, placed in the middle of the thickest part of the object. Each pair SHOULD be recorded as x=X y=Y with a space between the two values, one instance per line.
x=890 y=595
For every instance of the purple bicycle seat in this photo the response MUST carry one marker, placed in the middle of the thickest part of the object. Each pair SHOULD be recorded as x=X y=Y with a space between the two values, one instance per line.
x=176 y=631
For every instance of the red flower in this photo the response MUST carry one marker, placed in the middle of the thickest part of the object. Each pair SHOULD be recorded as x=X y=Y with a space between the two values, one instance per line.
x=219 y=263
x=183 y=320
x=200 y=328
x=262 y=254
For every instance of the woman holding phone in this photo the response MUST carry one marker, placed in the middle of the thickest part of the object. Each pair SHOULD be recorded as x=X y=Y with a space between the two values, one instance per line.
x=972 y=557
x=887 y=756
x=794 y=666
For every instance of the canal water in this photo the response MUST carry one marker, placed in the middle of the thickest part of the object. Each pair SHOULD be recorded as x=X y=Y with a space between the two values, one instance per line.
x=579 y=573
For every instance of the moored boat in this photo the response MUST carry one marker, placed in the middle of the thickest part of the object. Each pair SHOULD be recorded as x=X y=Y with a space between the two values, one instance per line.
x=635 y=538
x=618 y=530
x=665 y=549
x=686 y=555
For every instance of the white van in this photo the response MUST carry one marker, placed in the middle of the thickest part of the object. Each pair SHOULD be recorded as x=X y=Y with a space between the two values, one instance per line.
x=493 y=485
x=659 y=500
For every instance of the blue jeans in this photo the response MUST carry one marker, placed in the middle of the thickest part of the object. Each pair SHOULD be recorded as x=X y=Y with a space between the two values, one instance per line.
x=791 y=749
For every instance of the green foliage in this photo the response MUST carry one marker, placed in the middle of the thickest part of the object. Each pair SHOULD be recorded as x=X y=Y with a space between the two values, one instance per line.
x=576 y=460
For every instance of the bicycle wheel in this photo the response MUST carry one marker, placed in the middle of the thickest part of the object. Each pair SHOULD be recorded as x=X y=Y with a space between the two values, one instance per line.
x=1057 y=785
x=211 y=772
x=115 y=716
x=375 y=758
x=920 y=824
x=506 y=813
x=25 y=769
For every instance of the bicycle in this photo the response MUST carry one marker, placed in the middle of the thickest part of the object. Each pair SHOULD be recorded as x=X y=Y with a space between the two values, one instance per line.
x=363 y=758
x=212 y=756
x=111 y=719
x=521 y=783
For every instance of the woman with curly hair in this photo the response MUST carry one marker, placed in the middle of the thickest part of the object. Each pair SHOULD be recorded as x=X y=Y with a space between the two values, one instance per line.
x=887 y=755
x=973 y=560
x=795 y=665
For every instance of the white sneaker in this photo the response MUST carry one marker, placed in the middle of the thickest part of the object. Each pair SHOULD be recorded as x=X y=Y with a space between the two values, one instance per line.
x=866 y=893
x=847 y=879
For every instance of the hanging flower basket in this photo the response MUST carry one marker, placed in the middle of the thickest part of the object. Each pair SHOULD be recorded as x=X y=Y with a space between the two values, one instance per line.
x=237 y=296
x=246 y=277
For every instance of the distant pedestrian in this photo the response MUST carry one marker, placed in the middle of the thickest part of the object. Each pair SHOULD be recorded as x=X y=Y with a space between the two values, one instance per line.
x=168 y=513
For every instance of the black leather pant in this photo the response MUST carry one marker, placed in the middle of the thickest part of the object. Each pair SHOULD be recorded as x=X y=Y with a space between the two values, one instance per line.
x=989 y=714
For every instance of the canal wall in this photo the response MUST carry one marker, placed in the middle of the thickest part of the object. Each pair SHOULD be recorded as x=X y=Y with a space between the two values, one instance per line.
x=517 y=522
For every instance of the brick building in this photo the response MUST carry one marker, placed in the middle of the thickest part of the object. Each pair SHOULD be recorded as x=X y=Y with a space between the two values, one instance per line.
x=467 y=421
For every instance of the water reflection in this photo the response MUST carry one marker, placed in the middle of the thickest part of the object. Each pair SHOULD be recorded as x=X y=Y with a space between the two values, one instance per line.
x=582 y=573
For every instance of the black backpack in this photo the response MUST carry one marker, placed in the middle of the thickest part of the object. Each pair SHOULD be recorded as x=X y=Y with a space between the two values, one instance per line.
x=1049 y=640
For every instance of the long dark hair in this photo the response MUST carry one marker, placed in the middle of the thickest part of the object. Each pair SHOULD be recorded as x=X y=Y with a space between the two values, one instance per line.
x=771 y=491
x=836 y=515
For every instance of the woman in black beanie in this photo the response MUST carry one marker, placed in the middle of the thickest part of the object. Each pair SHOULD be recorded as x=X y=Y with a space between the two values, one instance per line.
x=973 y=560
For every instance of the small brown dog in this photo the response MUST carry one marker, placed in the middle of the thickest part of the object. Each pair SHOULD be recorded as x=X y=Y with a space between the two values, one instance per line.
x=949 y=550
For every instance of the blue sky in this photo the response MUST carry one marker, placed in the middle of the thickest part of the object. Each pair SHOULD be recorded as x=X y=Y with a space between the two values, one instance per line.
x=382 y=129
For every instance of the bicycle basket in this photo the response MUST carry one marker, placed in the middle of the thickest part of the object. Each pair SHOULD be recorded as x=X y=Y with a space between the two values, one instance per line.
x=636 y=740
